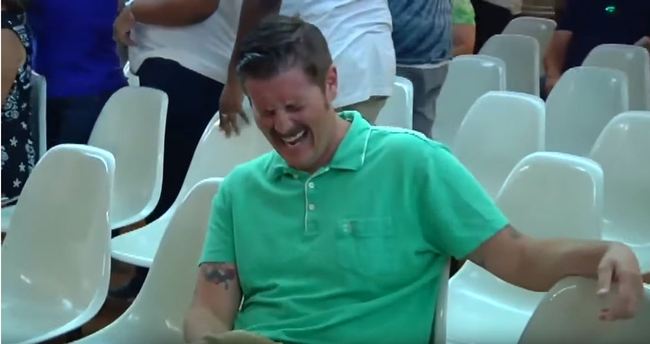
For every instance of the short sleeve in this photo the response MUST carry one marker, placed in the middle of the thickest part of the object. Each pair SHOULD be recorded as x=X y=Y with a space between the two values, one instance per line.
x=568 y=20
x=457 y=214
x=219 y=242
x=463 y=12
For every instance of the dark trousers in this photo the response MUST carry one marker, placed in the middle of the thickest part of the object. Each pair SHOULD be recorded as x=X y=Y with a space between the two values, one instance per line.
x=71 y=119
x=490 y=20
x=193 y=100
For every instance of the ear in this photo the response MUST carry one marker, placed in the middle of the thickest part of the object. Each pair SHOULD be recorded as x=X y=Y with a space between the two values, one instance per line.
x=331 y=84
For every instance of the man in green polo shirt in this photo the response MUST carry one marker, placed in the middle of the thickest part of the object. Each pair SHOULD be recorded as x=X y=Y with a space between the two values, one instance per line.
x=341 y=233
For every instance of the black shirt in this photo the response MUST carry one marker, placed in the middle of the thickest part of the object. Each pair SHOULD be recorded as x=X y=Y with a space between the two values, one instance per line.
x=596 y=22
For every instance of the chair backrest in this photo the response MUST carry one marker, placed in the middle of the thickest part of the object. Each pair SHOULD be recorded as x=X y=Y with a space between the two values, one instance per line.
x=167 y=292
x=568 y=313
x=634 y=61
x=59 y=246
x=622 y=151
x=500 y=129
x=583 y=101
x=132 y=127
x=216 y=155
x=552 y=195
x=440 y=323
x=398 y=110
x=521 y=56
x=468 y=78
x=38 y=101
x=541 y=29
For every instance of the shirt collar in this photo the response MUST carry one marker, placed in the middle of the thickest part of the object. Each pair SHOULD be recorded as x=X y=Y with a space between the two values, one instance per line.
x=350 y=155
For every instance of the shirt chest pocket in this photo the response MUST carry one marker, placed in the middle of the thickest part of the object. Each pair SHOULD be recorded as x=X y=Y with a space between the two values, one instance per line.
x=365 y=246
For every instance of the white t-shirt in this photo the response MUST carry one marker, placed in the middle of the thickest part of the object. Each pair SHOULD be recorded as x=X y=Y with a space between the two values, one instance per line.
x=204 y=47
x=358 y=34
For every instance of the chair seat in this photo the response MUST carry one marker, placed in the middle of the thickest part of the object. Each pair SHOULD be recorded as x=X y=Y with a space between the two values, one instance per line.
x=492 y=311
x=139 y=247
x=634 y=235
x=20 y=324
x=131 y=328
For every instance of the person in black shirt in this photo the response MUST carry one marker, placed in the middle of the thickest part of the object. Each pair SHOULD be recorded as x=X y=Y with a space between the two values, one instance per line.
x=587 y=24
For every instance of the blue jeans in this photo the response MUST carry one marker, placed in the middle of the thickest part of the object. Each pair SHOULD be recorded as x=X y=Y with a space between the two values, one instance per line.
x=71 y=119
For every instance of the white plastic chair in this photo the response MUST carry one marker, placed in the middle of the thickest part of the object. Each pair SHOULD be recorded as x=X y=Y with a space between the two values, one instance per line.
x=215 y=156
x=132 y=127
x=56 y=261
x=39 y=112
x=583 y=101
x=131 y=79
x=569 y=314
x=7 y=214
x=546 y=195
x=398 y=110
x=521 y=56
x=440 y=325
x=38 y=121
x=156 y=315
x=468 y=78
x=541 y=29
x=622 y=151
x=500 y=129
x=634 y=61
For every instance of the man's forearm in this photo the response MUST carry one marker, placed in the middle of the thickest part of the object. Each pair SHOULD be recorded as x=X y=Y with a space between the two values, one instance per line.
x=555 y=56
x=200 y=322
x=545 y=262
x=252 y=12
x=173 y=12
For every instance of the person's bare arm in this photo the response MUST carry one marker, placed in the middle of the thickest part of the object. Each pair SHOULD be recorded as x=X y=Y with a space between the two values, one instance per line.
x=538 y=264
x=173 y=12
x=13 y=56
x=216 y=301
x=555 y=57
x=464 y=38
x=644 y=42
x=252 y=12
x=230 y=101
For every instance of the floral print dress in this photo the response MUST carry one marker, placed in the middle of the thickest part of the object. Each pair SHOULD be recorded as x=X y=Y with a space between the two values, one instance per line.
x=18 y=154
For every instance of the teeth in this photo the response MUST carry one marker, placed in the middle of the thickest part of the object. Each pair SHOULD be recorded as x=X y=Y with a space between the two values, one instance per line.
x=293 y=139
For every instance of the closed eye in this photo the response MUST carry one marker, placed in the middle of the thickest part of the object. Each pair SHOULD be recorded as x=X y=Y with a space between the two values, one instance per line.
x=294 y=108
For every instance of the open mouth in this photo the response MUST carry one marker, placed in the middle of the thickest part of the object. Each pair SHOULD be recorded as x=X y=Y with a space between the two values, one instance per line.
x=294 y=139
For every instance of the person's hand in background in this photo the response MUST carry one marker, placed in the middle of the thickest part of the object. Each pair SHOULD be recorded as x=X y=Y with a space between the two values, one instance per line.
x=230 y=108
x=550 y=82
x=122 y=27
x=644 y=42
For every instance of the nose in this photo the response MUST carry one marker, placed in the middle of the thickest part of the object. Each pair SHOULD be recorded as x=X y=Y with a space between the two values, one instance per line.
x=282 y=123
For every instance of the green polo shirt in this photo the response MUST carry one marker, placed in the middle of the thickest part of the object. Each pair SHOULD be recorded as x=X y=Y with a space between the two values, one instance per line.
x=353 y=252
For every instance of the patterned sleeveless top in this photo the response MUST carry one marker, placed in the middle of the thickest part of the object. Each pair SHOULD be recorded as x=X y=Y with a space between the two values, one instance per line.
x=18 y=154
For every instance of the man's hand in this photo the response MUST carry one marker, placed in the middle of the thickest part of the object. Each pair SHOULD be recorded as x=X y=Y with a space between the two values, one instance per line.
x=234 y=337
x=551 y=80
x=122 y=27
x=230 y=108
x=619 y=273
x=644 y=42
